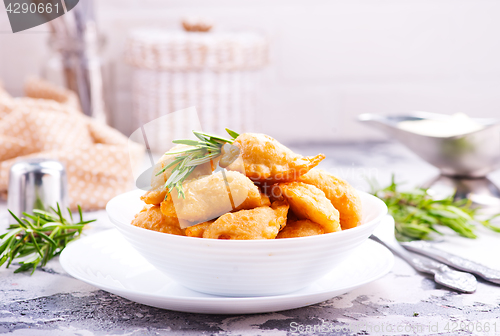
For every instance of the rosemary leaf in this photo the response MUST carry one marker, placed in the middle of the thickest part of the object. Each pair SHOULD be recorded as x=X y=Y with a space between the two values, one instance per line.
x=173 y=163
x=417 y=215
x=202 y=160
x=183 y=151
x=47 y=238
x=233 y=134
x=203 y=151
x=214 y=137
x=38 y=238
x=187 y=142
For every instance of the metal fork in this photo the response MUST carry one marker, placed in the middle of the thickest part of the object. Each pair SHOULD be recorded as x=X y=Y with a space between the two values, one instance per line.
x=459 y=281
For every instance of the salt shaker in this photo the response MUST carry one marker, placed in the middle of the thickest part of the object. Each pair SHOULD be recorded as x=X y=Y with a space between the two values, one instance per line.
x=37 y=184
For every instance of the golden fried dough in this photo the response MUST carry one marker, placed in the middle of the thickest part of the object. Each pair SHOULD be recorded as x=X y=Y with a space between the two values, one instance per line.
x=155 y=196
x=151 y=218
x=309 y=202
x=167 y=206
x=264 y=200
x=254 y=202
x=342 y=195
x=281 y=210
x=263 y=159
x=210 y=196
x=259 y=223
x=198 y=229
x=300 y=228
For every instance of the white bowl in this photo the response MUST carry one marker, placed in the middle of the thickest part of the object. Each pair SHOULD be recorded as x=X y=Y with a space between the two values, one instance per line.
x=243 y=267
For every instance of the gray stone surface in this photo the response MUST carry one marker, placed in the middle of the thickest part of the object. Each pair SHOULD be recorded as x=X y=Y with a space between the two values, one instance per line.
x=50 y=302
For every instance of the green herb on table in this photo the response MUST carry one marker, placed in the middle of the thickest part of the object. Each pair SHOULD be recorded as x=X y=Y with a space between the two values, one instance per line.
x=416 y=213
x=207 y=148
x=39 y=237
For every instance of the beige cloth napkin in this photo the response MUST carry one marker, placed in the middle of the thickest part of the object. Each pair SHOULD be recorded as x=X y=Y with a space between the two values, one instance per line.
x=49 y=124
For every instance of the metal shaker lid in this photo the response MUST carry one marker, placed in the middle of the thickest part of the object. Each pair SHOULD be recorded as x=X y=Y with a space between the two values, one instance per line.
x=37 y=184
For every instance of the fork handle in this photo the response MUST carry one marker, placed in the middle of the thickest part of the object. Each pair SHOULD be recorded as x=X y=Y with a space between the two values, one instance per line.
x=427 y=249
x=462 y=282
x=421 y=264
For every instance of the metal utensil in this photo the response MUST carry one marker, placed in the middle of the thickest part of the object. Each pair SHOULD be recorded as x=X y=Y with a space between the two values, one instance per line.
x=427 y=249
x=37 y=184
x=459 y=281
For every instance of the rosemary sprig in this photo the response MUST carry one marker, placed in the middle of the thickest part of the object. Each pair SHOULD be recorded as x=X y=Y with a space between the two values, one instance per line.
x=207 y=148
x=416 y=213
x=38 y=237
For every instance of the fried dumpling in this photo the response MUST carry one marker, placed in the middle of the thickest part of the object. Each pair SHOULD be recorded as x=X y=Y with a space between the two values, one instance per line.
x=210 y=196
x=300 y=228
x=254 y=202
x=259 y=223
x=265 y=160
x=308 y=202
x=342 y=195
x=198 y=229
x=151 y=218
x=154 y=196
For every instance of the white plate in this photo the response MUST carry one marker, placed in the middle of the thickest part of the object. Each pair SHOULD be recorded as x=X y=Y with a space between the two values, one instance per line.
x=106 y=260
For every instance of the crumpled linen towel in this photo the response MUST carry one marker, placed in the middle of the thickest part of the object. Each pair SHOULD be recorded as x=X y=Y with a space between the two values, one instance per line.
x=48 y=124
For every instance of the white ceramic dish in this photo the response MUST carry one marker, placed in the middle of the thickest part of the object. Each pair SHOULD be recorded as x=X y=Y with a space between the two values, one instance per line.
x=243 y=268
x=107 y=261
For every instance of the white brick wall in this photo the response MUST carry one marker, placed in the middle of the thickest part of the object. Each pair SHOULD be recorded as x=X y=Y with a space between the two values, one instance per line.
x=332 y=60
